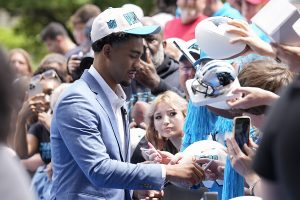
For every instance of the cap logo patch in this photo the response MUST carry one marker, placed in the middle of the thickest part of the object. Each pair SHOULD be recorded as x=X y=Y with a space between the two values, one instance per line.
x=194 y=46
x=131 y=18
x=112 y=24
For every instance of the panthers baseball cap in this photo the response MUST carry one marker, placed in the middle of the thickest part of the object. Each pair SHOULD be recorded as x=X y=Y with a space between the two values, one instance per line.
x=193 y=48
x=114 y=20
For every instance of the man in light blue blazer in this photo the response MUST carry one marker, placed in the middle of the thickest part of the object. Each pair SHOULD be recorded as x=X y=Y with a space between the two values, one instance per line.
x=89 y=130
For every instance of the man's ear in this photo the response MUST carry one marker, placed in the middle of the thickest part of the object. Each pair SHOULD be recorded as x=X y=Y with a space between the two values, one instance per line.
x=107 y=49
x=164 y=43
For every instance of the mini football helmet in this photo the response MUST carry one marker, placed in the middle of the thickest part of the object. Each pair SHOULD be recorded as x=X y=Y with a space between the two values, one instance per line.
x=208 y=149
x=214 y=78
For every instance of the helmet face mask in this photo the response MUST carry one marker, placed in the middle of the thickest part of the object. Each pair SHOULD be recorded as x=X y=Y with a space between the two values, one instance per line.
x=199 y=87
x=214 y=79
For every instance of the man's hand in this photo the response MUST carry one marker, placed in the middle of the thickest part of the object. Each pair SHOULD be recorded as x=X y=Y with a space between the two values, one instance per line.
x=146 y=74
x=188 y=173
x=148 y=194
x=215 y=170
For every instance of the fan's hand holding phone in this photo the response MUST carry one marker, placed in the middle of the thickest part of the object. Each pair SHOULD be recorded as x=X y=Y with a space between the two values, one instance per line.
x=39 y=101
x=34 y=89
x=241 y=131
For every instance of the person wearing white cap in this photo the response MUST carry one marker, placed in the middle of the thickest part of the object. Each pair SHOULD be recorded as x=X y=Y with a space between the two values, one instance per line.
x=89 y=131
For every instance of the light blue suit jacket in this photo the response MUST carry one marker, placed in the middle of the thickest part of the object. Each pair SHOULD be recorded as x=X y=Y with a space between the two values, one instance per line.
x=87 y=159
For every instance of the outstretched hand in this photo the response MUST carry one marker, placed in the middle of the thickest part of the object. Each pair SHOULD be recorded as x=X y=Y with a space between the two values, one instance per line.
x=289 y=55
x=247 y=36
x=252 y=97
x=214 y=169
x=188 y=174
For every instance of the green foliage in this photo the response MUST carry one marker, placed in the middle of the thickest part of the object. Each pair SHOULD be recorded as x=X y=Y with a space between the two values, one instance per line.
x=146 y=5
x=10 y=39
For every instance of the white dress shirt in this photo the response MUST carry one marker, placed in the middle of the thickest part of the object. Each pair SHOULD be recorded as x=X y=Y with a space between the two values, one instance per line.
x=116 y=98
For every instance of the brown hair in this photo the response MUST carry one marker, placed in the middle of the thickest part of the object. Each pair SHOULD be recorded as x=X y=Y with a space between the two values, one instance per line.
x=54 y=58
x=48 y=63
x=172 y=99
x=84 y=13
x=267 y=75
x=25 y=54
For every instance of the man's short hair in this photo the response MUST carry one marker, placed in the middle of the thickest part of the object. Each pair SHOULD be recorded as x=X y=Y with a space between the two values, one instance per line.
x=84 y=13
x=52 y=30
x=111 y=39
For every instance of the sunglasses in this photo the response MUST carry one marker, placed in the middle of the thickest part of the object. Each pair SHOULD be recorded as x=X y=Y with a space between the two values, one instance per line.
x=49 y=74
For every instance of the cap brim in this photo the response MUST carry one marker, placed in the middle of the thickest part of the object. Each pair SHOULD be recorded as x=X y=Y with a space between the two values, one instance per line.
x=144 y=30
x=194 y=53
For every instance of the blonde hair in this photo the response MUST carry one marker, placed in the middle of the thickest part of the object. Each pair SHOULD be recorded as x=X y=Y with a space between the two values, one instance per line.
x=173 y=100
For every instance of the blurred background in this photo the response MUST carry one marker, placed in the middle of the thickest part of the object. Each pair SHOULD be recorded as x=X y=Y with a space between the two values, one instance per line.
x=22 y=20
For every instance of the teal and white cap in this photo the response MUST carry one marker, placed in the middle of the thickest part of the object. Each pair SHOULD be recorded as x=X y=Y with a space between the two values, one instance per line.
x=114 y=20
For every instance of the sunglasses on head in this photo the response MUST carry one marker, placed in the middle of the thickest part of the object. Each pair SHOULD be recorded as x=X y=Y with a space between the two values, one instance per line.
x=49 y=74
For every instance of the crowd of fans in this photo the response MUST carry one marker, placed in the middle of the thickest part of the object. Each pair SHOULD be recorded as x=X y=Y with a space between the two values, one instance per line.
x=161 y=115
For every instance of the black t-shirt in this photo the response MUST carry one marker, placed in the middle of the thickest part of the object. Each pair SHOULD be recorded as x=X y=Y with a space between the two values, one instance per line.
x=43 y=136
x=277 y=158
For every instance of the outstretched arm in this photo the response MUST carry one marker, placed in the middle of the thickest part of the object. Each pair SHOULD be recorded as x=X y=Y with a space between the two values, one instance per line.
x=81 y=135
x=252 y=97
x=247 y=36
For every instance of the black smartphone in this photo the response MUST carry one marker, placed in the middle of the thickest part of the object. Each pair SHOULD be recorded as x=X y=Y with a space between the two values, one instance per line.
x=144 y=55
x=241 y=130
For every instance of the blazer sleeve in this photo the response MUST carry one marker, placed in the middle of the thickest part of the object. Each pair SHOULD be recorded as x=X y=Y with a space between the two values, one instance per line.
x=78 y=122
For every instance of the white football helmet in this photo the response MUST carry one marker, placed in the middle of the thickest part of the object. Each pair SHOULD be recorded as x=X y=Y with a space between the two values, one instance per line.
x=208 y=149
x=213 y=38
x=214 y=78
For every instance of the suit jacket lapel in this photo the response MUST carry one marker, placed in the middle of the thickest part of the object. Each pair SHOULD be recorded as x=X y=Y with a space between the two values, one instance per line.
x=105 y=104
